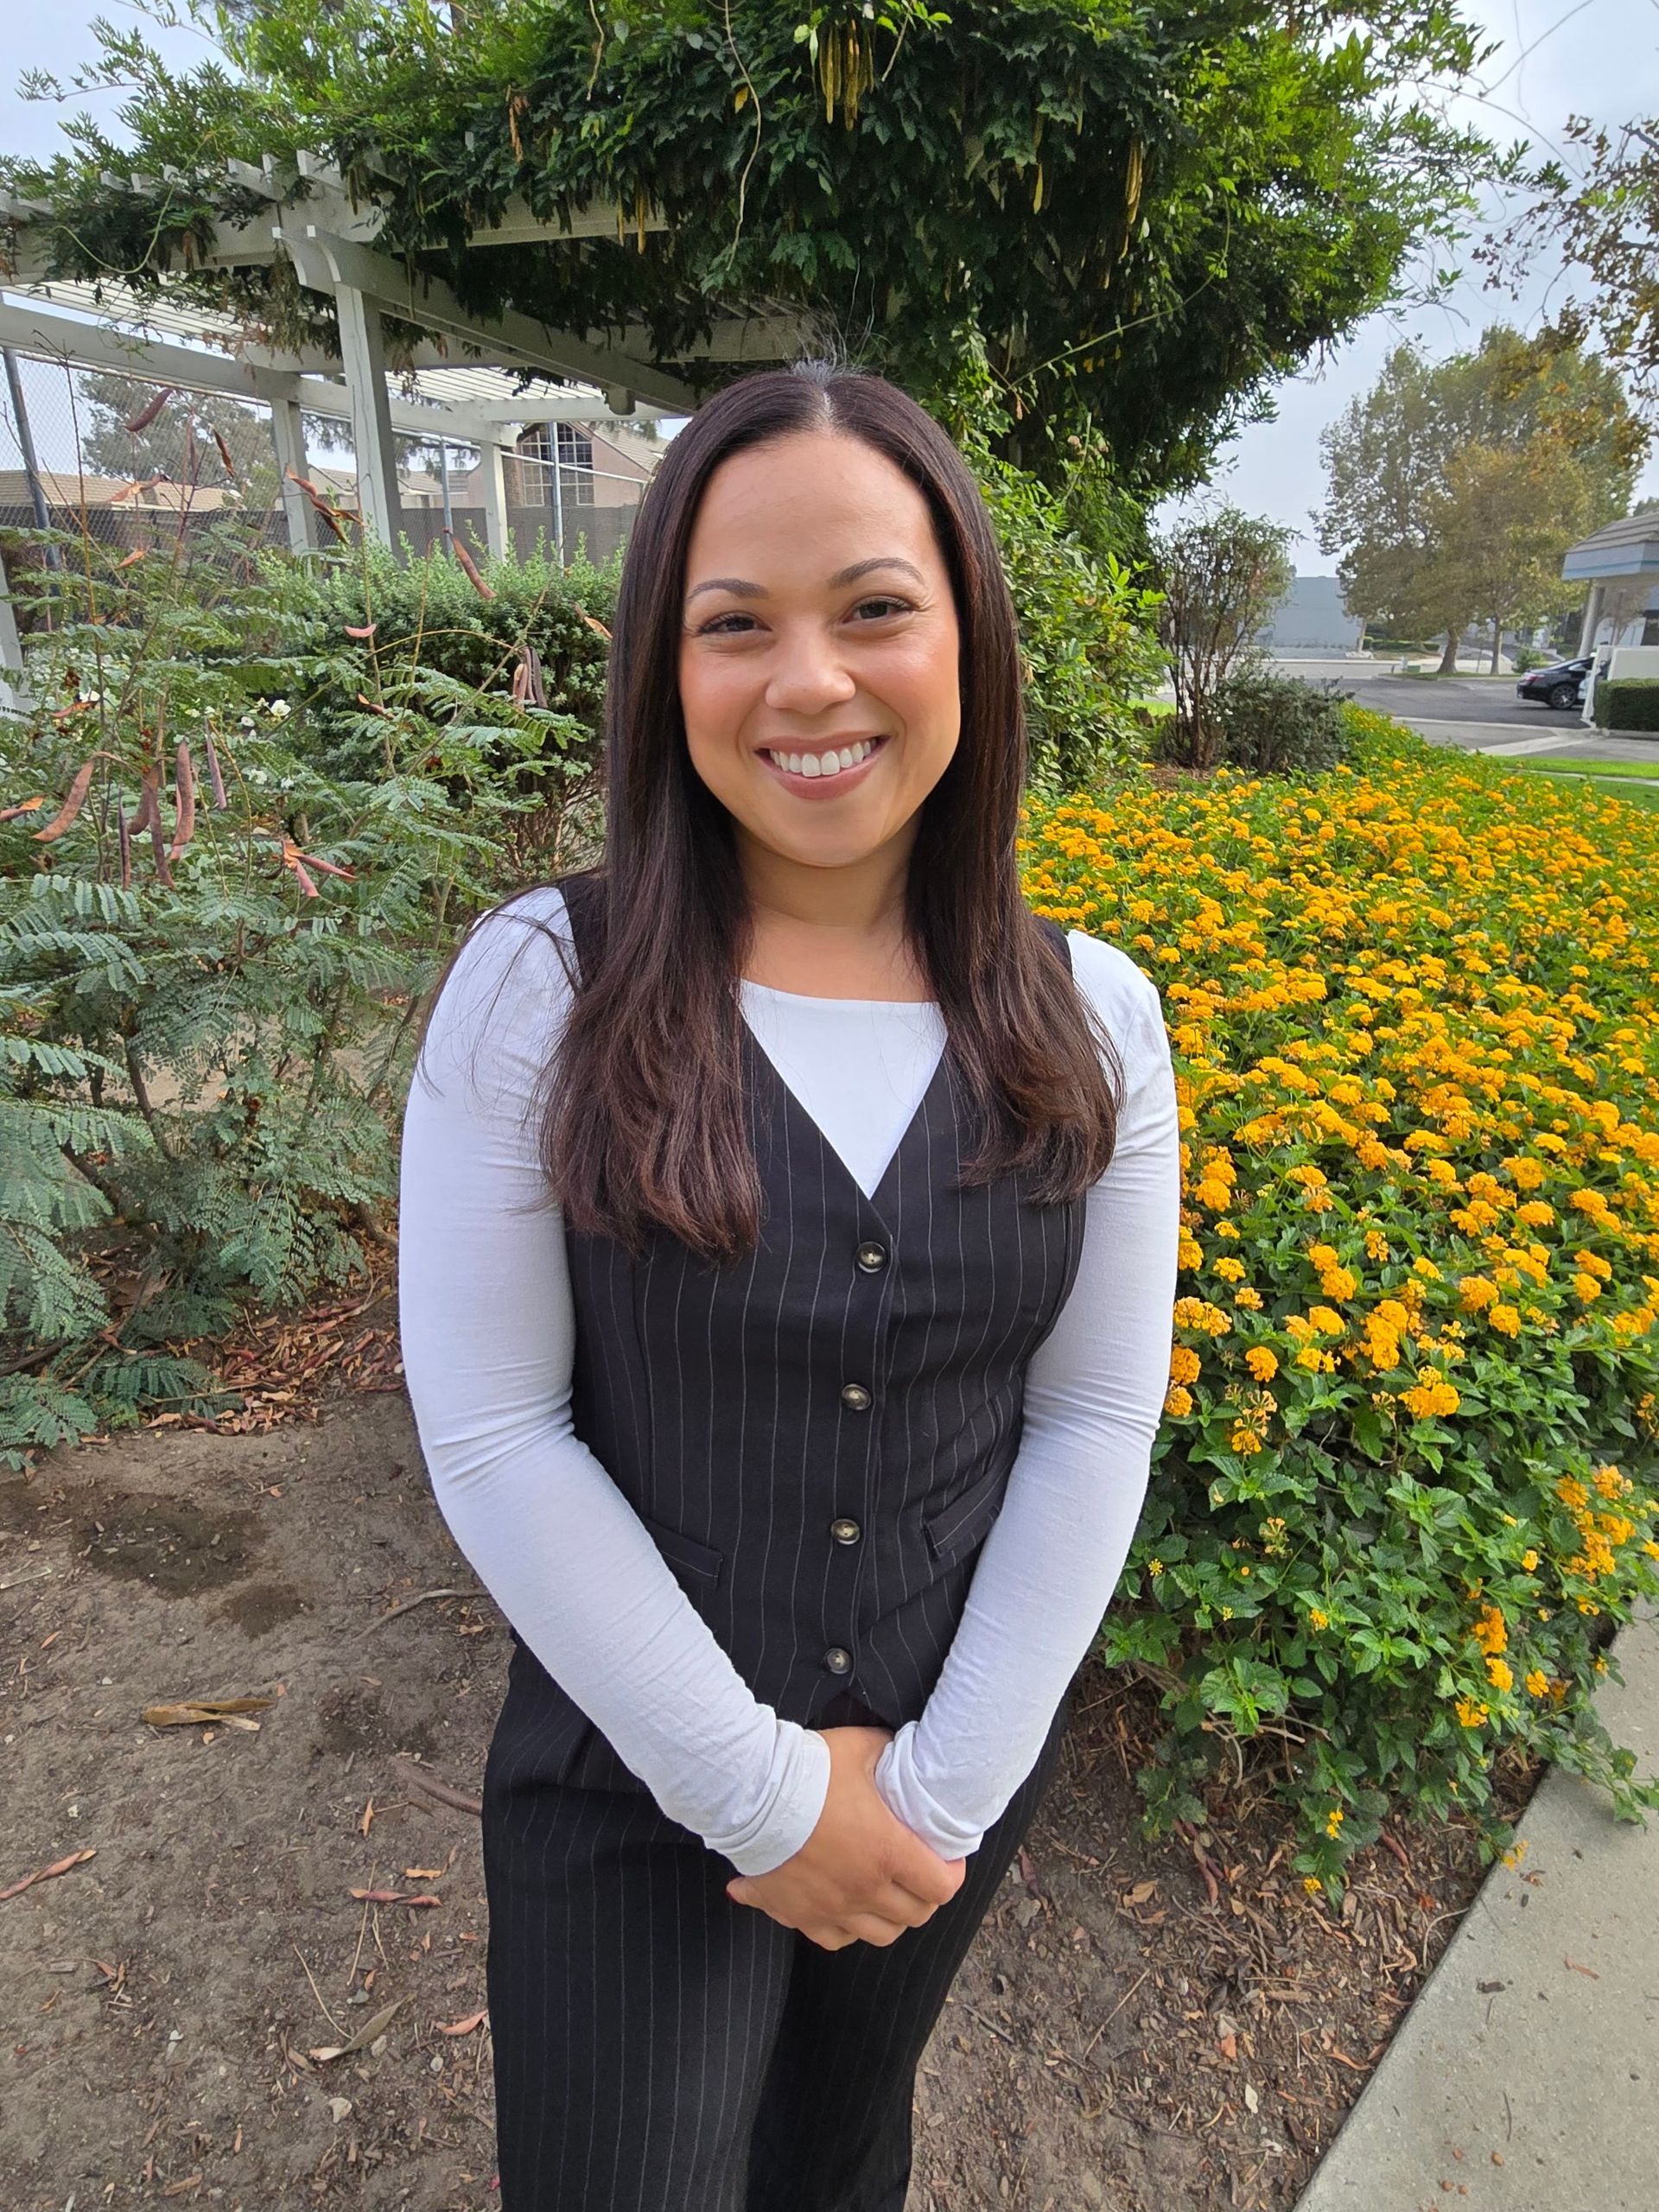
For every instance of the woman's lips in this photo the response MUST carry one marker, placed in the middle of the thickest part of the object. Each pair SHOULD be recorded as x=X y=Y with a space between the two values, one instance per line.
x=823 y=787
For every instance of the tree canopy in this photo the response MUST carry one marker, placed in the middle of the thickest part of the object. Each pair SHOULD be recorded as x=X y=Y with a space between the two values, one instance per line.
x=1146 y=218
x=1454 y=488
x=1606 y=222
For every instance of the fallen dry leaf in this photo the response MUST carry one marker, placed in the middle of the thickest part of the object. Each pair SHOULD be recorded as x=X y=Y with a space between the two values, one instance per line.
x=462 y=2027
x=193 y=1711
x=45 y=1873
x=364 y=2036
x=394 y=1897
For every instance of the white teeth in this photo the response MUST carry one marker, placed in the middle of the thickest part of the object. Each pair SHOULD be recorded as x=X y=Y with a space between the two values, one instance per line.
x=825 y=764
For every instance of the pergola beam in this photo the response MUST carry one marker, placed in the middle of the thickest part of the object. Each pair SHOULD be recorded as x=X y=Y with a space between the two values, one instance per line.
x=49 y=333
x=326 y=261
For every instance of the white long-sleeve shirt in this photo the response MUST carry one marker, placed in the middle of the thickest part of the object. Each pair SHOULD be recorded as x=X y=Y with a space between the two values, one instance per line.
x=487 y=1326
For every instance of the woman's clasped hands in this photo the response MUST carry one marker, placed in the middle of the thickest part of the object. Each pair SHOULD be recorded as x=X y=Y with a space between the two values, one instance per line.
x=862 y=1876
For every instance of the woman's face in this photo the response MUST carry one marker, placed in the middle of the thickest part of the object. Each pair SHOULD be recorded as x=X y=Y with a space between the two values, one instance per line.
x=818 y=648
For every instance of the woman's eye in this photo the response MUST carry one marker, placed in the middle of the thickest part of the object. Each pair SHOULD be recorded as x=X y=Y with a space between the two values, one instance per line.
x=720 y=626
x=878 y=609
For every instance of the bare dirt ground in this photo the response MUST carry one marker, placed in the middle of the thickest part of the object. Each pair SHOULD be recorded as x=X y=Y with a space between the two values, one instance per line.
x=1145 y=2026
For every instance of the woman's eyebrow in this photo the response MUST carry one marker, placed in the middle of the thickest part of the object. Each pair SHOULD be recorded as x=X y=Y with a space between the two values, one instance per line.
x=742 y=589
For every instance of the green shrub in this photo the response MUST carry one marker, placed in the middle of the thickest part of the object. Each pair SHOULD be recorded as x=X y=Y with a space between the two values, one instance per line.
x=426 y=613
x=206 y=1027
x=1276 y=725
x=1088 y=640
x=1631 y=703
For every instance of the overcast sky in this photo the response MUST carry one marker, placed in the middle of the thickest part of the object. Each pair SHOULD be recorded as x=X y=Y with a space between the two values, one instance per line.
x=1598 y=58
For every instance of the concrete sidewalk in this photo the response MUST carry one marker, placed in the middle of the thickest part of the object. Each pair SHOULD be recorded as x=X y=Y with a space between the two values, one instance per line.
x=1535 y=2040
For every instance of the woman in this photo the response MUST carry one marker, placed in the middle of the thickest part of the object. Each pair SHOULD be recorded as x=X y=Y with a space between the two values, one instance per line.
x=788 y=1256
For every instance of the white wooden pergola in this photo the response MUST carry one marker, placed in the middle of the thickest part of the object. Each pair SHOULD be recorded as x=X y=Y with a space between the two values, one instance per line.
x=464 y=380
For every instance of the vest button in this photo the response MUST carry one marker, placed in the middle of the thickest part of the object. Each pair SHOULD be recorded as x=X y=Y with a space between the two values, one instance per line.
x=871 y=1257
x=837 y=1661
x=845 y=1532
x=855 y=1396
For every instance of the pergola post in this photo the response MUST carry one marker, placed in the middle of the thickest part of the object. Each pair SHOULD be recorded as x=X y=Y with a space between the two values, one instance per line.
x=287 y=436
x=13 y=691
x=363 y=355
x=492 y=467
x=1587 y=629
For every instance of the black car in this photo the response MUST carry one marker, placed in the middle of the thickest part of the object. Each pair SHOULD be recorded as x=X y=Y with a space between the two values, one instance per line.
x=1559 y=686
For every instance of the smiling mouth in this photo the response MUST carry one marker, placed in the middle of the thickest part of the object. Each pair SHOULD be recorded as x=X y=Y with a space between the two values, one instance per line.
x=825 y=764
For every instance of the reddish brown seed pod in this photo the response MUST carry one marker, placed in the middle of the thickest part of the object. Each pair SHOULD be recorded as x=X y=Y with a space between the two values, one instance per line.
x=213 y=776
x=72 y=805
x=469 y=566
x=146 y=416
x=184 y=793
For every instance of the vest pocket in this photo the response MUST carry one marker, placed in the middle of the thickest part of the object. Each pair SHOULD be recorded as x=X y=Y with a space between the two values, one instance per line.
x=684 y=1551
x=953 y=1528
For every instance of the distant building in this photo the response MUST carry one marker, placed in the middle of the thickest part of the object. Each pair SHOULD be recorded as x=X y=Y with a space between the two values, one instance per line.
x=1313 y=620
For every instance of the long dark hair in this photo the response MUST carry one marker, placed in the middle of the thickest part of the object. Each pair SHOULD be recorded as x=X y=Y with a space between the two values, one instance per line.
x=643 y=1105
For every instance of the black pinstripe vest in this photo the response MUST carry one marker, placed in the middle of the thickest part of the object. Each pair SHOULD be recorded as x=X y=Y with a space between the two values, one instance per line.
x=818 y=1436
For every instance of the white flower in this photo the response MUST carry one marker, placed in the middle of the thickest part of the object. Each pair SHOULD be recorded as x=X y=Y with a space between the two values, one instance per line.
x=280 y=710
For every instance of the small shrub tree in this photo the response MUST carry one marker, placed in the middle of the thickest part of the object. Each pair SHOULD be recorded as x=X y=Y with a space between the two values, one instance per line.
x=1222 y=576
x=1274 y=725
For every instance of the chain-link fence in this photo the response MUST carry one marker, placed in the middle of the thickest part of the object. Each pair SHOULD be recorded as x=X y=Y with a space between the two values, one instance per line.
x=132 y=464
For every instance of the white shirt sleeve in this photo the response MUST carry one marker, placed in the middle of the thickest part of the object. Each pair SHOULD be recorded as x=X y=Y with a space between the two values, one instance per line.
x=1095 y=1390
x=487 y=1325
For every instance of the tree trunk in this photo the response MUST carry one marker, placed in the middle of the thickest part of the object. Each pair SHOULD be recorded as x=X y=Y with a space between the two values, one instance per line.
x=1449 y=658
x=1498 y=641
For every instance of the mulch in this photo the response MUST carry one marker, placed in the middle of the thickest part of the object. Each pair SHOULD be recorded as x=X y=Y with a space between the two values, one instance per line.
x=1143 y=2023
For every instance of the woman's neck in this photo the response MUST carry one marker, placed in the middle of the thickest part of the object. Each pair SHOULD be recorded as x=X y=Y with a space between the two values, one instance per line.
x=832 y=933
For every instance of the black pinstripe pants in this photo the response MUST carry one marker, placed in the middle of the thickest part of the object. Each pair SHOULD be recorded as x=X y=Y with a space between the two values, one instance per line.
x=658 y=2048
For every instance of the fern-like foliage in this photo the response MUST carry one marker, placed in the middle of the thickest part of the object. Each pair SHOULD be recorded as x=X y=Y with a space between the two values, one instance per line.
x=208 y=1027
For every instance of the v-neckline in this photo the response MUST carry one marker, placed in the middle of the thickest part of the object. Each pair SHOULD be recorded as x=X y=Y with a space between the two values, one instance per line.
x=914 y=1132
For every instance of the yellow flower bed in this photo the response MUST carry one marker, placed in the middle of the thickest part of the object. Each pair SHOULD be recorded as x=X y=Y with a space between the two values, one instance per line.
x=1406 y=1482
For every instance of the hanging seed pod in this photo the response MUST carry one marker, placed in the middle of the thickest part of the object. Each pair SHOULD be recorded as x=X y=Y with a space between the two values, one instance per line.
x=146 y=416
x=323 y=507
x=147 y=808
x=527 y=686
x=225 y=455
x=469 y=567
x=124 y=842
x=23 y=806
x=213 y=776
x=158 y=845
x=184 y=799
x=72 y=805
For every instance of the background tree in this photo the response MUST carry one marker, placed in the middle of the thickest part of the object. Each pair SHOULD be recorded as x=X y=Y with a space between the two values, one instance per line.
x=179 y=440
x=1222 y=576
x=1395 y=500
x=1148 y=216
x=1505 y=515
x=1605 y=220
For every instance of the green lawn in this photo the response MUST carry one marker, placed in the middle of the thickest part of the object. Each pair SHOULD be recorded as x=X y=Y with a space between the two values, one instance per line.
x=1638 y=789
x=1589 y=762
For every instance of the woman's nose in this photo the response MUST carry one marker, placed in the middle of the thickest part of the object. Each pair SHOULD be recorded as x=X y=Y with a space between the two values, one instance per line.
x=808 y=674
